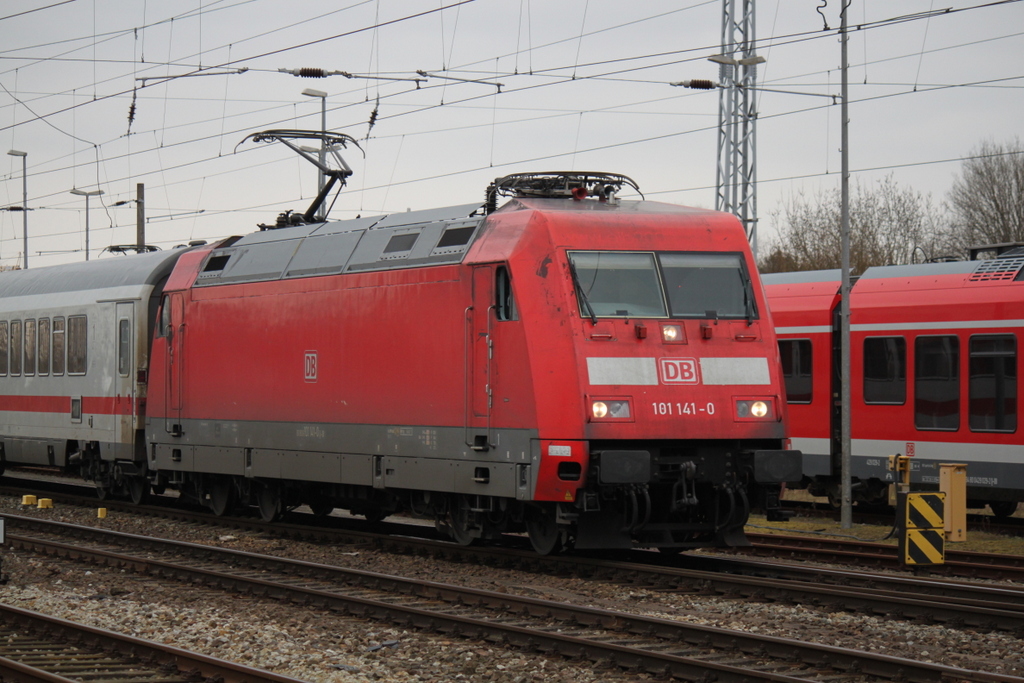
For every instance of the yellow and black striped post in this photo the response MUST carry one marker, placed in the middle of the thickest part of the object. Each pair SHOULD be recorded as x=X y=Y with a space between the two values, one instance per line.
x=921 y=526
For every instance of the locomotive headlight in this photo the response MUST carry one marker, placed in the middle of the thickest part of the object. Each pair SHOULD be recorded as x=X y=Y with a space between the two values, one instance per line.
x=610 y=409
x=672 y=333
x=754 y=409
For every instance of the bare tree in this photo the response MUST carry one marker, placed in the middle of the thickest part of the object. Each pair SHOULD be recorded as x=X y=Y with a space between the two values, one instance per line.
x=888 y=225
x=987 y=199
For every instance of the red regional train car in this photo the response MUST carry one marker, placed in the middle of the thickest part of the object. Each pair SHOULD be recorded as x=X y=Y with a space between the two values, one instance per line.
x=597 y=373
x=933 y=374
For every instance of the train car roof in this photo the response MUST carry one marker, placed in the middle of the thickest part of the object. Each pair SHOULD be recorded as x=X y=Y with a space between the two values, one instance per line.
x=119 y=271
x=802 y=277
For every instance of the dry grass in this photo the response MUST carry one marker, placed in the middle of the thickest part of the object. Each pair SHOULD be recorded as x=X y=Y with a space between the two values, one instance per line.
x=977 y=541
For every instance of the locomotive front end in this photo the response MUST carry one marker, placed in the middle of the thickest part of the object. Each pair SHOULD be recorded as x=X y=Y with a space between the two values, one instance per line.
x=679 y=426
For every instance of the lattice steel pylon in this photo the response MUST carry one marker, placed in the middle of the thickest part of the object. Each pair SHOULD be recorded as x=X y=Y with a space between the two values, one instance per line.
x=736 y=176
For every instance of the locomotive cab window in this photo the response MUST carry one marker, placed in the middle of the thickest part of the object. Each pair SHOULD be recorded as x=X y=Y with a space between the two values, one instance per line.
x=797 y=369
x=702 y=285
x=505 y=304
x=617 y=284
x=885 y=370
x=165 y=317
x=937 y=383
x=992 y=388
x=78 y=344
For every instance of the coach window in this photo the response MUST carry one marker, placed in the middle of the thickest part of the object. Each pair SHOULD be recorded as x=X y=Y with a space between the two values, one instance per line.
x=885 y=370
x=992 y=388
x=937 y=383
x=30 y=347
x=44 y=346
x=15 y=347
x=796 y=369
x=78 y=344
x=124 y=347
x=58 y=346
x=505 y=304
x=3 y=348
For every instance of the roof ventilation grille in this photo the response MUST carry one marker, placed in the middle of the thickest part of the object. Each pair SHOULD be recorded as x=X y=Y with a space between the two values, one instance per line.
x=997 y=270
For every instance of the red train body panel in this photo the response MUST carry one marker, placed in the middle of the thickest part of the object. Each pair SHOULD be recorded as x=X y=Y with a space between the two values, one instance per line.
x=596 y=373
x=933 y=367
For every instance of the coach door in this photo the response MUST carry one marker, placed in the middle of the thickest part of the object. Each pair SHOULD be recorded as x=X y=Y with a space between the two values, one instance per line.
x=124 y=379
x=175 y=330
x=480 y=349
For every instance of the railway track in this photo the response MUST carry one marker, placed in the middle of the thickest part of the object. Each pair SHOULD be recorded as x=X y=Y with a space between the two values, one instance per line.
x=35 y=648
x=661 y=646
x=928 y=600
x=866 y=554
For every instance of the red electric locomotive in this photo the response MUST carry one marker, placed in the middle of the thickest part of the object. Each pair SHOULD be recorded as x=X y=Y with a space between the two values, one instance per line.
x=933 y=374
x=597 y=373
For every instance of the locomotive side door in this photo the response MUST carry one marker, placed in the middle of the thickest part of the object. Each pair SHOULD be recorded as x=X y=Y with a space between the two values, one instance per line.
x=124 y=378
x=480 y=351
x=174 y=322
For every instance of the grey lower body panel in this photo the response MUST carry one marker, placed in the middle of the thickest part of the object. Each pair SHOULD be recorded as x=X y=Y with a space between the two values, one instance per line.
x=381 y=456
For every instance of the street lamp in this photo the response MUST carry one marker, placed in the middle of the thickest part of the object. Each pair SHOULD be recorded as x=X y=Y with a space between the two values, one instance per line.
x=310 y=92
x=24 y=198
x=83 y=193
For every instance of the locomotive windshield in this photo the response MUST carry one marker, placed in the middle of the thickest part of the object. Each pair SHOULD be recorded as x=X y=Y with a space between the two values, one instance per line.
x=614 y=284
x=618 y=284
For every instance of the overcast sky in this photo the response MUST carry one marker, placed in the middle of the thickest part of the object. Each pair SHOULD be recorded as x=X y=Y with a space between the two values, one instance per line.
x=584 y=85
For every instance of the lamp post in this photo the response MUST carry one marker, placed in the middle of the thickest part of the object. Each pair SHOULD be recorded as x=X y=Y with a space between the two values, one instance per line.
x=24 y=199
x=310 y=92
x=84 y=193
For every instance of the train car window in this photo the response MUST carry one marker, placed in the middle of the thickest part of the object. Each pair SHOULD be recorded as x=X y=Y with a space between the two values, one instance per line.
x=885 y=370
x=124 y=347
x=708 y=286
x=797 y=369
x=616 y=284
x=30 y=347
x=505 y=306
x=3 y=348
x=15 y=347
x=58 y=346
x=44 y=346
x=992 y=387
x=78 y=344
x=937 y=383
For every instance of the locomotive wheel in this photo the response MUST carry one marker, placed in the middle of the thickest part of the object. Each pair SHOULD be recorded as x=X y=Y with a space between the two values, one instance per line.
x=545 y=535
x=1003 y=509
x=222 y=496
x=138 y=490
x=458 y=524
x=268 y=499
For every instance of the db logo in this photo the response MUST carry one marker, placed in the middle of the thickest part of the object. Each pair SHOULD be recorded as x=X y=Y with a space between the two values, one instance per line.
x=310 y=366
x=679 y=371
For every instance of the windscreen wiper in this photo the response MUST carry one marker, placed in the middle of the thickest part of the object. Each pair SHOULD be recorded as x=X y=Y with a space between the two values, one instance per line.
x=748 y=299
x=579 y=291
